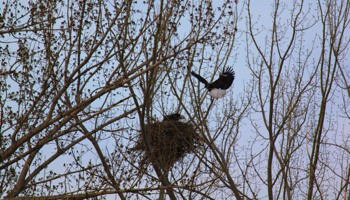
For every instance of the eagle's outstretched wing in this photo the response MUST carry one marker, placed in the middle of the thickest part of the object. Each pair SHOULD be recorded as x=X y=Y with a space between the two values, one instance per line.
x=225 y=80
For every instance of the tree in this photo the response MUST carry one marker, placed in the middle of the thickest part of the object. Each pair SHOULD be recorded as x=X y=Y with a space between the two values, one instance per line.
x=294 y=85
x=82 y=81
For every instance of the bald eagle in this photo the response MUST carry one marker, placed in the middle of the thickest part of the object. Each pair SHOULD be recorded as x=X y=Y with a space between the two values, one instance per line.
x=217 y=89
x=173 y=117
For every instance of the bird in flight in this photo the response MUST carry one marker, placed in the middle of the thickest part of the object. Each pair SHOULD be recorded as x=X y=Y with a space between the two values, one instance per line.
x=217 y=89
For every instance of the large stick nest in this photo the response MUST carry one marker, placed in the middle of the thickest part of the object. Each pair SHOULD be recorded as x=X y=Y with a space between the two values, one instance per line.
x=169 y=141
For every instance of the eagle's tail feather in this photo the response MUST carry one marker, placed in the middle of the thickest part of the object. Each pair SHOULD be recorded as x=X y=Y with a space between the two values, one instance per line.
x=201 y=79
